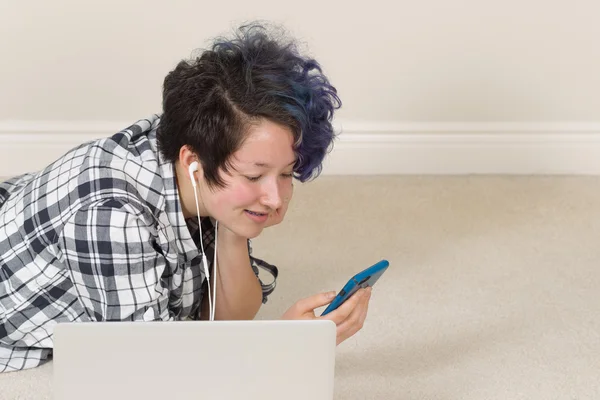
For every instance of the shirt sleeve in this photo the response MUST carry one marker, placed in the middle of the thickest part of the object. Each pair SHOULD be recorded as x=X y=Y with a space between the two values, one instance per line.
x=114 y=262
x=256 y=263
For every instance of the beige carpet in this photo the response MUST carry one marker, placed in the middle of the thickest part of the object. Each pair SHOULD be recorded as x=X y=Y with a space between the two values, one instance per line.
x=492 y=293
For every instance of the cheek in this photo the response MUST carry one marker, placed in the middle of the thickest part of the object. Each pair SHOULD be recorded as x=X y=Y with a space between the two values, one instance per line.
x=235 y=197
x=288 y=190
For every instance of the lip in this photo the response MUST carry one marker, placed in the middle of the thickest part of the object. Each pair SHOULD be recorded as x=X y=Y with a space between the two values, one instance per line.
x=257 y=218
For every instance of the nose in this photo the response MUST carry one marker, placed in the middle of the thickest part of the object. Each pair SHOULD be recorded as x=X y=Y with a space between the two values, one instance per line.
x=272 y=195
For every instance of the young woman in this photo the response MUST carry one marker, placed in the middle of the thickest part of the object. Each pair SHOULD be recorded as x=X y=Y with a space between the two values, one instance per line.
x=110 y=231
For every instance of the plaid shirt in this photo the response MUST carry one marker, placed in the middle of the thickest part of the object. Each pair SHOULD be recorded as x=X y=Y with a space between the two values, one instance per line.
x=99 y=235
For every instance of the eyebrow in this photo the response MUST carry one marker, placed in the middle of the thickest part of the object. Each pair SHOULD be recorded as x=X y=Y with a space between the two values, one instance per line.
x=266 y=165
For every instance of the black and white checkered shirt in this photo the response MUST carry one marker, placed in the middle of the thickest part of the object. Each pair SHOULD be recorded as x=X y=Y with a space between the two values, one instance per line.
x=99 y=235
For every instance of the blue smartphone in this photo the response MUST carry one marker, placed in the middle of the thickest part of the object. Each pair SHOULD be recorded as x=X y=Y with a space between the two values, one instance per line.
x=368 y=277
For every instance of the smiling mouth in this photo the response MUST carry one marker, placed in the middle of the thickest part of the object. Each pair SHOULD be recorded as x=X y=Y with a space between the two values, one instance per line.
x=256 y=213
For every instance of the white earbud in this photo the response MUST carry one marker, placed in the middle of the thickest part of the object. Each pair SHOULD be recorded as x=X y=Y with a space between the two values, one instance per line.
x=193 y=168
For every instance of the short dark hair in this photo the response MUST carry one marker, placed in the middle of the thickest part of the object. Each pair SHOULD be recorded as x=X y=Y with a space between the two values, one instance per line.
x=210 y=101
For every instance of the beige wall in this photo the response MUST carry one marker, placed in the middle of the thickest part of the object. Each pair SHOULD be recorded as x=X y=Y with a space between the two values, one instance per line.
x=427 y=60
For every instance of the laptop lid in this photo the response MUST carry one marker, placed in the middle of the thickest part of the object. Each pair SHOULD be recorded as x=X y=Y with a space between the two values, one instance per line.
x=195 y=360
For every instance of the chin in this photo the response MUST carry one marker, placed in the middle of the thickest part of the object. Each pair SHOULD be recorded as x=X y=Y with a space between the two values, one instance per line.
x=249 y=232
x=252 y=233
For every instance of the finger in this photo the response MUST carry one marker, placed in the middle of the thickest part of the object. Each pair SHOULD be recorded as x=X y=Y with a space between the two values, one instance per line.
x=316 y=301
x=364 y=307
x=363 y=317
x=358 y=314
x=342 y=312
x=355 y=320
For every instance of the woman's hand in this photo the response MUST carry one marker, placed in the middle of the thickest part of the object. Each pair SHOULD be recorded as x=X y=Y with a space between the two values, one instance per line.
x=349 y=317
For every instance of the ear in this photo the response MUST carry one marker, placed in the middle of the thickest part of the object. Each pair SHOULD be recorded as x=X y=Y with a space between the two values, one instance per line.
x=187 y=159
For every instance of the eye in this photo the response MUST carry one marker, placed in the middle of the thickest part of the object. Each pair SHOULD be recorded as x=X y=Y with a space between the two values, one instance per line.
x=253 y=178
x=287 y=176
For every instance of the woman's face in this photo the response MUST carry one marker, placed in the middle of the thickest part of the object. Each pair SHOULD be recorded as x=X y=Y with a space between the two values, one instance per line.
x=259 y=184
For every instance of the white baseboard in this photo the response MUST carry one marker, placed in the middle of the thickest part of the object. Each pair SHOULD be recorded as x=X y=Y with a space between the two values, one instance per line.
x=468 y=148
x=369 y=148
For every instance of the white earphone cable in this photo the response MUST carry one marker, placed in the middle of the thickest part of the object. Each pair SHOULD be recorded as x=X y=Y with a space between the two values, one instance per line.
x=204 y=260
x=214 y=302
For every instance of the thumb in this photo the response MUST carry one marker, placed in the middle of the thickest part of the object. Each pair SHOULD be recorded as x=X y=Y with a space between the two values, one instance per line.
x=316 y=301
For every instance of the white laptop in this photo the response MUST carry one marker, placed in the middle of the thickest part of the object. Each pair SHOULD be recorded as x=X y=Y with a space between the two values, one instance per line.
x=195 y=360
